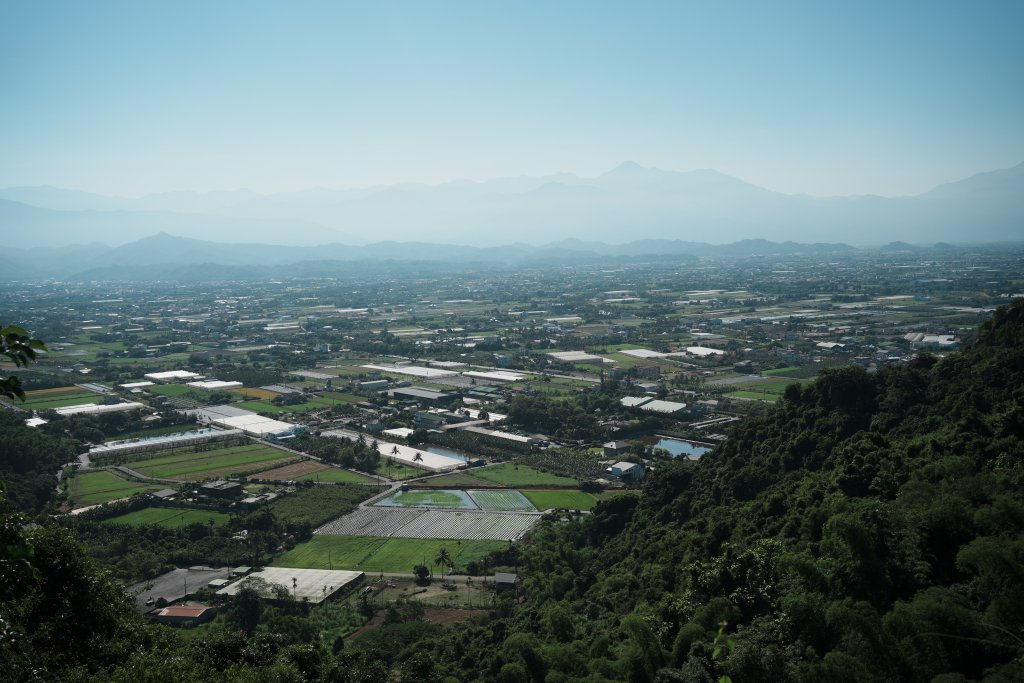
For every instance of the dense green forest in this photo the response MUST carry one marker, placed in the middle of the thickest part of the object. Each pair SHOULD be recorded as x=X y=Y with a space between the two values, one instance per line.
x=866 y=528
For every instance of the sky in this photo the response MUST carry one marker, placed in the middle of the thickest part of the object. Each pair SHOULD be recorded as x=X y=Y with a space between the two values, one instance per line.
x=823 y=98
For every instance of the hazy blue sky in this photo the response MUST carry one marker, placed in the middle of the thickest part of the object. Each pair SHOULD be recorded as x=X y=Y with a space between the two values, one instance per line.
x=818 y=97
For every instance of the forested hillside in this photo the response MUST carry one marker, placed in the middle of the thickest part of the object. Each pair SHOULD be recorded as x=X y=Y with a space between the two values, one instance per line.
x=867 y=528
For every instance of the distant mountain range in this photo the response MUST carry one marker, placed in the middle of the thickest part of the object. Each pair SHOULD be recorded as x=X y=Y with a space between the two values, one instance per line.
x=626 y=203
x=166 y=257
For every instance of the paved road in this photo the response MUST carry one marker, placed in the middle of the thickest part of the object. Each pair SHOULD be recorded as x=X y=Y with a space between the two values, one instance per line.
x=175 y=585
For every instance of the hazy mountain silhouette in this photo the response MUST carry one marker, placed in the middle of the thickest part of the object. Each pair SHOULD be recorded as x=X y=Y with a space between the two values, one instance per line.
x=628 y=202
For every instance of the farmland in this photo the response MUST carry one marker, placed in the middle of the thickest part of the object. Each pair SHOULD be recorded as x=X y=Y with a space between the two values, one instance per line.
x=502 y=500
x=421 y=523
x=101 y=486
x=381 y=554
x=47 y=399
x=171 y=518
x=311 y=470
x=187 y=464
x=521 y=475
x=560 y=499
x=429 y=498
x=316 y=505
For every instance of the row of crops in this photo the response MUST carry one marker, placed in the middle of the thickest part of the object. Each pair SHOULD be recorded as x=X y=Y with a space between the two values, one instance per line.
x=420 y=523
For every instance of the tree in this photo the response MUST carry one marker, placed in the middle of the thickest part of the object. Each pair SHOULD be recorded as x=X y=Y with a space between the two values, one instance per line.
x=16 y=345
x=443 y=559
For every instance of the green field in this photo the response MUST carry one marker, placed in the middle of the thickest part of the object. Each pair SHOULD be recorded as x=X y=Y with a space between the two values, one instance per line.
x=756 y=395
x=381 y=554
x=455 y=480
x=172 y=518
x=188 y=464
x=319 y=504
x=502 y=499
x=336 y=475
x=174 y=390
x=101 y=486
x=393 y=470
x=341 y=397
x=571 y=500
x=271 y=409
x=47 y=399
x=510 y=474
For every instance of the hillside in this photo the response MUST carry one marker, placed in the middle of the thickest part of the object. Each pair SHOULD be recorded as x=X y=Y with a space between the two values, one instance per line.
x=867 y=528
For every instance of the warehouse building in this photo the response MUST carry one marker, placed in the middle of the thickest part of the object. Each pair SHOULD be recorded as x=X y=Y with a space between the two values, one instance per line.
x=303 y=585
x=172 y=376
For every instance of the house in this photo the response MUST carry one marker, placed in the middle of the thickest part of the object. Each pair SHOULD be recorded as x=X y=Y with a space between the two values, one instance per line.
x=164 y=494
x=626 y=471
x=614 y=449
x=221 y=489
x=428 y=420
x=505 y=581
x=182 y=615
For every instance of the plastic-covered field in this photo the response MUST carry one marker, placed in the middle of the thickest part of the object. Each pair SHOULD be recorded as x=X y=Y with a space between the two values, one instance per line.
x=420 y=523
x=450 y=499
x=501 y=500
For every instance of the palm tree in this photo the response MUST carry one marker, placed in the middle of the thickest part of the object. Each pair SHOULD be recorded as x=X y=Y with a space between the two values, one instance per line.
x=418 y=457
x=295 y=585
x=444 y=559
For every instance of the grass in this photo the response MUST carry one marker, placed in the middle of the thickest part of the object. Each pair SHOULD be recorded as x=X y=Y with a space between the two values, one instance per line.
x=455 y=480
x=101 y=486
x=319 y=504
x=173 y=389
x=757 y=395
x=514 y=475
x=271 y=409
x=58 y=399
x=188 y=464
x=397 y=471
x=335 y=475
x=371 y=554
x=254 y=393
x=171 y=518
x=555 y=499
x=341 y=397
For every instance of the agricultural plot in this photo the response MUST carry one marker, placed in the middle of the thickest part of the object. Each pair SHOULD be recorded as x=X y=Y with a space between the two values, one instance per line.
x=560 y=499
x=174 y=390
x=172 y=518
x=397 y=471
x=315 y=505
x=451 y=481
x=311 y=470
x=47 y=399
x=499 y=526
x=254 y=393
x=506 y=500
x=370 y=521
x=372 y=555
x=510 y=474
x=187 y=464
x=101 y=486
x=429 y=498
x=418 y=523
